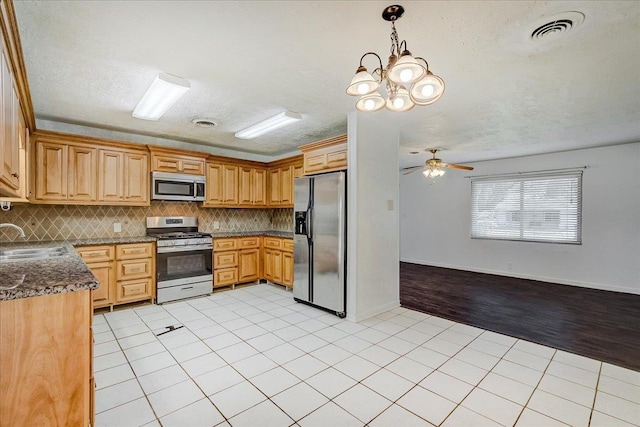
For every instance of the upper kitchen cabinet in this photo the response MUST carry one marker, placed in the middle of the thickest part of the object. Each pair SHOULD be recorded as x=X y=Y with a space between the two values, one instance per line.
x=16 y=112
x=281 y=181
x=80 y=170
x=235 y=183
x=177 y=161
x=323 y=156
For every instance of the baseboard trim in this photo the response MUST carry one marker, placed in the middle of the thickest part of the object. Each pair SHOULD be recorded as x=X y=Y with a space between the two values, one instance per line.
x=359 y=317
x=599 y=286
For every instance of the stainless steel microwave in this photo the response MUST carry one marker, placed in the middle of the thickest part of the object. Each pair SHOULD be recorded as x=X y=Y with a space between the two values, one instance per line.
x=177 y=186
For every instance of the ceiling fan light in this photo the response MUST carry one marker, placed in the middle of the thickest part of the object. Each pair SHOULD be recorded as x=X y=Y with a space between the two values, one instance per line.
x=401 y=102
x=428 y=90
x=362 y=83
x=406 y=70
x=370 y=103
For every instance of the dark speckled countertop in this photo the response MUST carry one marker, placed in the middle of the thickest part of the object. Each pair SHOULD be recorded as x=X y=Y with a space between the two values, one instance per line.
x=68 y=273
x=270 y=233
x=25 y=279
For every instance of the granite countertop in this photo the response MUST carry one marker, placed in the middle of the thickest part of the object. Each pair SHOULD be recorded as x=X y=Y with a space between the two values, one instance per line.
x=25 y=279
x=111 y=241
x=269 y=233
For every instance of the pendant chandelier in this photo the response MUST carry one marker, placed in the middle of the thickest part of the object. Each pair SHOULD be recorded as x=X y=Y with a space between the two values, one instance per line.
x=407 y=81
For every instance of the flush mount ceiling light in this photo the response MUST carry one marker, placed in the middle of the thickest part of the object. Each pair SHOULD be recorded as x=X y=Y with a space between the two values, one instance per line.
x=161 y=95
x=275 y=122
x=407 y=81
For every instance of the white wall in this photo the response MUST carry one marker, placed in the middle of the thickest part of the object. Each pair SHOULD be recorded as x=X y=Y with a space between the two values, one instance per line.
x=373 y=275
x=435 y=222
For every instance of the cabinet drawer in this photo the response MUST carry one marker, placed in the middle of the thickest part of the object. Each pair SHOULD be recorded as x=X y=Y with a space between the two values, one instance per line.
x=134 y=269
x=96 y=253
x=134 y=290
x=249 y=242
x=134 y=251
x=273 y=242
x=227 y=276
x=224 y=244
x=225 y=259
x=287 y=245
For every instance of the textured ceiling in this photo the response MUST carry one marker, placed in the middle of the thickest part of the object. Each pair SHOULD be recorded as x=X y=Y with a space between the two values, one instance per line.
x=88 y=63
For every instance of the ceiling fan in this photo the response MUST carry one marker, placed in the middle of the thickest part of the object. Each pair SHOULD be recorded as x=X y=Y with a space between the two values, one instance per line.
x=433 y=167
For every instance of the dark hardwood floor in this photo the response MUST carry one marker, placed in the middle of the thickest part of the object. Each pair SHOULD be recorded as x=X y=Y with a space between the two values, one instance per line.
x=598 y=324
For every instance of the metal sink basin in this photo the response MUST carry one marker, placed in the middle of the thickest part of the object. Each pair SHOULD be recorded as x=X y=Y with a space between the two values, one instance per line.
x=32 y=254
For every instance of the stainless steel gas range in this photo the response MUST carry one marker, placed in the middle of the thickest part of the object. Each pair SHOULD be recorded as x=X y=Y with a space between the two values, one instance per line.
x=183 y=258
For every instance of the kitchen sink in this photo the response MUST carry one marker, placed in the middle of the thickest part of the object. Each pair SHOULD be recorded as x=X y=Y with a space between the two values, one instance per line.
x=32 y=254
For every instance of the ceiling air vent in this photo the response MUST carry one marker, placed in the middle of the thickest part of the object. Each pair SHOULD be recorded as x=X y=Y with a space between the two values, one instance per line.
x=552 y=27
x=203 y=123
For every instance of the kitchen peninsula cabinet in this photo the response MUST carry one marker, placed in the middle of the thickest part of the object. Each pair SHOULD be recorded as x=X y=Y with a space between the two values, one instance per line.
x=81 y=170
x=46 y=360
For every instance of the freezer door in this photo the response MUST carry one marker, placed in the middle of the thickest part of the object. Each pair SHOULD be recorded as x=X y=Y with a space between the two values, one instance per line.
x=301 y=242
x=328 y=251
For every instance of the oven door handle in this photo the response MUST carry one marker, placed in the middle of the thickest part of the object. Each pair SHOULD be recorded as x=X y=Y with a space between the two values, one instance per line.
x=169 y=249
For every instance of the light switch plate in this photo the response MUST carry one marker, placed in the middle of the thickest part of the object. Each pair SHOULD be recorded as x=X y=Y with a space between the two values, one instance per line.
x=390 y=205
x=117 y=227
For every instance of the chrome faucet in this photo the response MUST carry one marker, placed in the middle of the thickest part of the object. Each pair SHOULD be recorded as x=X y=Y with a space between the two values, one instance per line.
x=20 y=230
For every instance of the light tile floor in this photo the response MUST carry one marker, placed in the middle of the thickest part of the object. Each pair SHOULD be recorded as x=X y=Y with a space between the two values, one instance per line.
x=254 y=357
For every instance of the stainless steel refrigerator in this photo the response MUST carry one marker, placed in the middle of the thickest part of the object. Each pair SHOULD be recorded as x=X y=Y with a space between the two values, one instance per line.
x=320 y=242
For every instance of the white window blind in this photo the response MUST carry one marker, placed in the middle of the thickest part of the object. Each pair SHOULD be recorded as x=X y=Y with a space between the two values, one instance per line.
x=533 y=207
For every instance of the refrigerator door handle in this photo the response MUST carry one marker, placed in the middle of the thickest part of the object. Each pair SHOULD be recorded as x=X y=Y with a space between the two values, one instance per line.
x=309 y=224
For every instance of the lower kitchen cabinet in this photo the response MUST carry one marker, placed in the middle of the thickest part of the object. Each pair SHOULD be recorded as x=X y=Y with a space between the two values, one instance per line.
x=247 y=259
x=46 y=360
x=126 y=272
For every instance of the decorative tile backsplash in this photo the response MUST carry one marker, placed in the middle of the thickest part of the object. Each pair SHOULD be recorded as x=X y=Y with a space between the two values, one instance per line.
x=60 y=222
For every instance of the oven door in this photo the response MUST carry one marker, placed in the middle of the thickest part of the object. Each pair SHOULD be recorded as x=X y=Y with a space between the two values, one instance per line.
x=182 y=262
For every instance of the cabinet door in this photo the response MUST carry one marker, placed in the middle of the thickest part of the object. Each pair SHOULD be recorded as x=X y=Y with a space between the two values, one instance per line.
x=315 y=162
x=287 y=269
x=82 y=173
x=248 y=265
x=230 y=185
x=286 y=180
x=9 y=159
x=166 y=164
x=192 y=166
x=337 y=159
x=274 y=187
x=214 y=184
x=51 y=171
x=136 y=178
x=268 y=264
x=259 y=187
x=110 y=176
x=245 y=186
x=103 y=296
x=277 y=266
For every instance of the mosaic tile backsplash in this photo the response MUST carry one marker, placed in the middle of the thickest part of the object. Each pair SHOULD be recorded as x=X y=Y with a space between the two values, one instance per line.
x=61 y=222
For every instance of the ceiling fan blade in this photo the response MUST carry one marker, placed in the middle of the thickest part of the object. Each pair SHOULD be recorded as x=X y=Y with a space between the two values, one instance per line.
x=407 y=171
x=454 y=166
x=412 y=168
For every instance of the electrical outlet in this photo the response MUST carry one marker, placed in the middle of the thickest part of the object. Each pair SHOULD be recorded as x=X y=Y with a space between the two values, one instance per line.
x=216 y=225
x=117 y=227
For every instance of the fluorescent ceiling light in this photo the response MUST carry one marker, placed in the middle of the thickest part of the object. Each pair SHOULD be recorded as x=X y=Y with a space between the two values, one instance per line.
x=161 y=95
x=282 y=119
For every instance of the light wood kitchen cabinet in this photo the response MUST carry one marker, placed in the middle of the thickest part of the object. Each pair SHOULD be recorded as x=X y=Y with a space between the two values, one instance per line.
x=78 y=170
x=252 y=186
x=278 y=260
x=177 y=161
x=46 y=360
x=9 y=141
x=24 y=151
x=82 y=178
x=126 y=272
x=235 y=260
x=229 y=185
x=281 y=181
x=213 y=187
x=325 y=156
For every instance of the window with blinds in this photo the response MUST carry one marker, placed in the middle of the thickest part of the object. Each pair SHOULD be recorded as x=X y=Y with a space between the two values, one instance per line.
x=529 y=207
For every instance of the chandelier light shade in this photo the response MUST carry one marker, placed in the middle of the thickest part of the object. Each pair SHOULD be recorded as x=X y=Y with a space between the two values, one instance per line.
x=433 y=173
x=408 y=82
